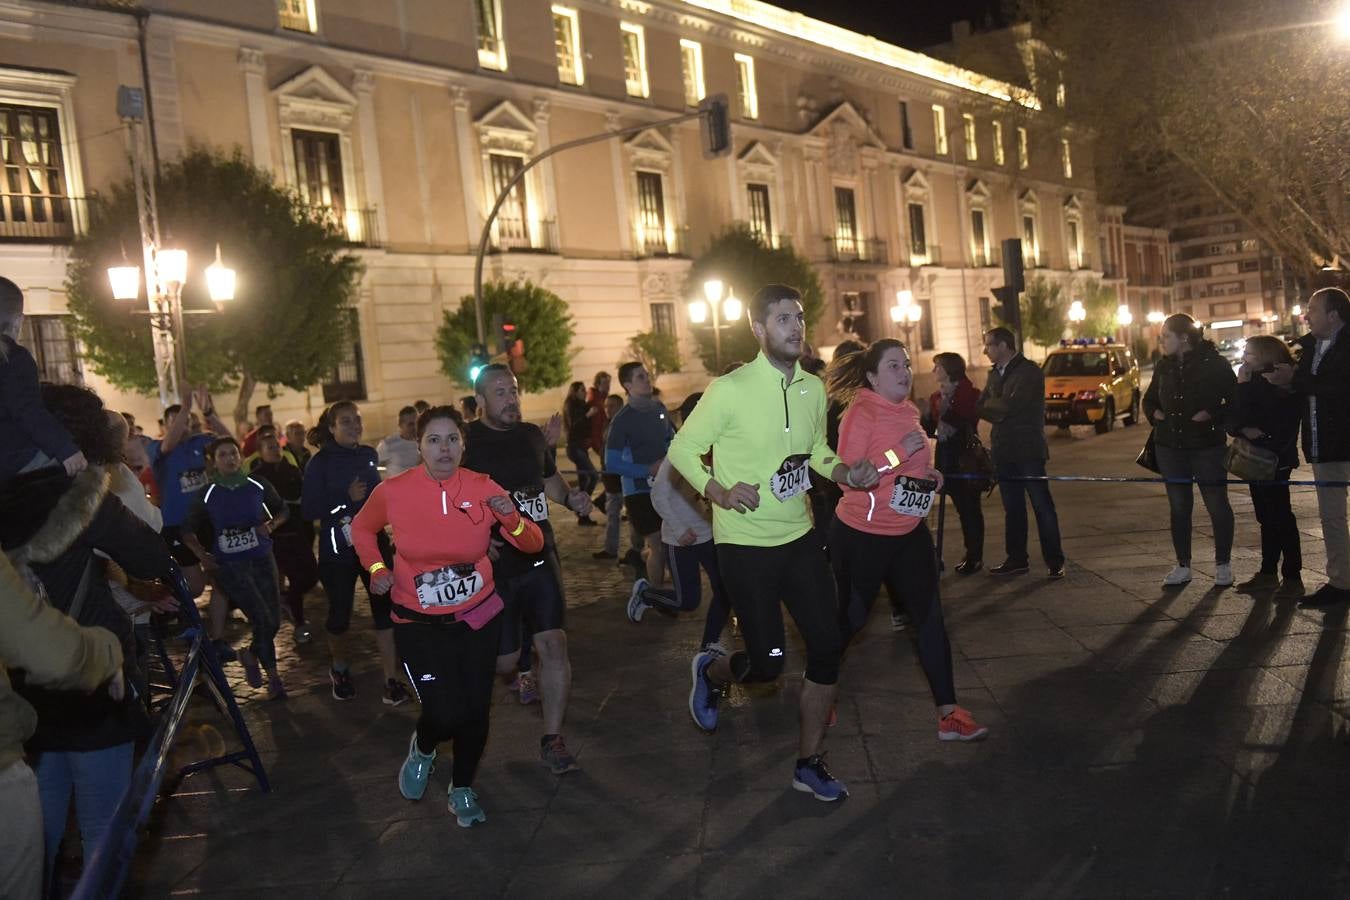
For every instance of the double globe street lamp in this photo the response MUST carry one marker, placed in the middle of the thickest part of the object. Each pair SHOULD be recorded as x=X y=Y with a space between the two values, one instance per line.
x=723 y=306
x=906 y=313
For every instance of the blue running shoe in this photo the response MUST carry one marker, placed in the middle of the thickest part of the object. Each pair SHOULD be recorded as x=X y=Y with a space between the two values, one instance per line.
x=464 y=804
x=811 y=777
x=417 y=768
x=703 y=696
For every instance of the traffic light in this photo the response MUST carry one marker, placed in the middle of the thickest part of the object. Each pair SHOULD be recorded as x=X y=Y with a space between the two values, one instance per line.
x=478 y=360
x=508 y=332
x=715 y=126
x=1009 y=311
x=1013 y=273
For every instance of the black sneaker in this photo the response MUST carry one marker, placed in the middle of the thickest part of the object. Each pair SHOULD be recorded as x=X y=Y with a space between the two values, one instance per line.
x=969 y=567
x=1010 y=568
x=634 y=559
x=343 y=689
x=1323 y=597
x=603 y=554
x=395 y=694
x=1056 y=570
x=224 y=652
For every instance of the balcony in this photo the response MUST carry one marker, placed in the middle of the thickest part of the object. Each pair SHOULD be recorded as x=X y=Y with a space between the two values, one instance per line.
x=986 y=257
x=1080 y=259
x=930 y=255
x=658 y=240
x=871 y=251
x=361 y=226
x=40 y=218
x=516 y=235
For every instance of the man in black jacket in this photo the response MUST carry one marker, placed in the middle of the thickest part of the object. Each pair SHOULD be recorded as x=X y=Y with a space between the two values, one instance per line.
x=1014 y=400
x=1321 y=380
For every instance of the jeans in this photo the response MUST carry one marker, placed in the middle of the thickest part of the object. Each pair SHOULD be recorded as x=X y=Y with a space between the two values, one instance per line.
x=587 y=476
x=1335 y=533
x=1202 y=464
x=1014 y=494
x=688 y=593
x=98 y=779
x=20 y=834
x=966 y=498
x=1279 y=528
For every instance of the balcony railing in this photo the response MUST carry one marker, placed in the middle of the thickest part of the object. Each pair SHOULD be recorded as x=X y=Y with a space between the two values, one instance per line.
x=986 y=257
x=361 y=226
x=40 y=218
x=1080 y=260
x=857 y=250
x=931 y=255
x=660 y=240
x=522 y=236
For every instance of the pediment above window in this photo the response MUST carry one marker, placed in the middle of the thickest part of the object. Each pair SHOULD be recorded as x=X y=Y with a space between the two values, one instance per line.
x=650 y=149
x=505 y=127
x=315 y=98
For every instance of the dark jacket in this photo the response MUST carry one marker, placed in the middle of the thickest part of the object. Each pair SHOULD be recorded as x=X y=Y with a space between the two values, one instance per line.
x=325 y=498
x=1260 y=404
x=1331 y=388
x=961 y=415
x=26 y=424
x=1200 y=380
x=54 y=523
x=1015 y=403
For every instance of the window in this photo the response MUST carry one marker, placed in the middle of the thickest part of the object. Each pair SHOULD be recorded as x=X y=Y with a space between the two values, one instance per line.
x=663 y=318
x=567 y=45
x=1060 y=94
x=651 y=213
x=918 y=234
x=1066 y=157
x=1228 y=268
x=1023 y=149
x=939 y=130
x=318 y=172
x=1249 y=245
x=972 y=148
x=33 y=198
x=347 y=380
x=986 y=315
x=634 y=59
x=512 y=227
x=53 y=348
x=1251 y=265
x=906 y=132
x=845 y=222
x=491 y=46
x=926 y=325
x=1075 y=245
x=691 y=57
x=979 y=238
x=998 y=143
x=745 y=85
x=761 y=217
x=298 y=15
x=1031 y=251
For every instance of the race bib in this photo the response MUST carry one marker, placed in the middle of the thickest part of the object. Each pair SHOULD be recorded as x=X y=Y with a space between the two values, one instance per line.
x=913 y=496
x=342 y=534
x=237 y=540
x=791 y=479
x=449 y=586
x=534 y=506
x=191 y=480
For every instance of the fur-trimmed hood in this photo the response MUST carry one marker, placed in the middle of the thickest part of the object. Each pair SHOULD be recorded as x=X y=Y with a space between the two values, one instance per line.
x=46 y=511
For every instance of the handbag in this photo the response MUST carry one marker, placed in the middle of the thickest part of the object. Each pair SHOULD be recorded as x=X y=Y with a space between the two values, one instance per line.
x=974 y=459
x=1250 y=462
x=1148 y=457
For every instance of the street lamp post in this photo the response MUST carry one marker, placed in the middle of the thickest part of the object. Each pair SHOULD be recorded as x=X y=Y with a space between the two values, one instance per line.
x=1077 y=313
x=906 y=313
x=719 y=308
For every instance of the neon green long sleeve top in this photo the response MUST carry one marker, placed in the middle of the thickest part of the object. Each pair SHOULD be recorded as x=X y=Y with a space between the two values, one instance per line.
x=753 y=420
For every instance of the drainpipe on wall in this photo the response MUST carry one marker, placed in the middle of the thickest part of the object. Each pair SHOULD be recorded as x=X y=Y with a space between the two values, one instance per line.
x=142 y=23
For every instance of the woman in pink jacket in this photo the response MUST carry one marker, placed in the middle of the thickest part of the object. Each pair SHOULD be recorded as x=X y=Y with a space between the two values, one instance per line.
x=879 y=535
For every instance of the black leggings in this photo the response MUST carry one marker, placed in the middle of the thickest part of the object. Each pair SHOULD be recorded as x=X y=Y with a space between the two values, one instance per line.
x=796 y=575
x=1279 y=528
x=688 y=592
x=451 y=667
x=338 y=574
x=907 y=565
x=294 y=554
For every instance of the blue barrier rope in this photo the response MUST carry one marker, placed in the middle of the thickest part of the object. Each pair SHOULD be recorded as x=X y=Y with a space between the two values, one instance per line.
x=1103 y=479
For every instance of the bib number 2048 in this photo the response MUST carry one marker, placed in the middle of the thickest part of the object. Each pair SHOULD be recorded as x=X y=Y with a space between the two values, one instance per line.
x=913 y=496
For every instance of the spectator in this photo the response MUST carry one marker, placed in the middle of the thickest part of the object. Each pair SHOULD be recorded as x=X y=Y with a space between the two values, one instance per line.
x=595 y=399
x=953 y=421
x=577 y=415
x=262 y=416
x=1187 y=402
x=613 y=502
x=32 y=437
x=295 y=443
x=398 y=453
x=1014 y=400
x=1321 y=381
x=1263 y=415
x=468 y=407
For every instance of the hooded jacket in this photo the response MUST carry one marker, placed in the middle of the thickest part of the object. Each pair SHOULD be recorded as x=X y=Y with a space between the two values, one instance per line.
x=872 y=427
x=327 y=477
x=1200 y=380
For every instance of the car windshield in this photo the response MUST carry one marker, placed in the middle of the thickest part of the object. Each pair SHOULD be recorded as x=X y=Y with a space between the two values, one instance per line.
x=1069 y=364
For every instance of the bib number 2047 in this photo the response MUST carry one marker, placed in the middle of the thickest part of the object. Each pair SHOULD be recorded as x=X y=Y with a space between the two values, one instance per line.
x=791 y=479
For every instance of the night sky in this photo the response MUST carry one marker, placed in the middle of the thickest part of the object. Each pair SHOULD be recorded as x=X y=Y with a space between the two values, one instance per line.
x=910 y=23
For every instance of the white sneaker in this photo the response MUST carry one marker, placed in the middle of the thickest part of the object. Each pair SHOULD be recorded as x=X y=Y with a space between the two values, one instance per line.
x=1182 y=575
x=1223 y=575
x=635 y=605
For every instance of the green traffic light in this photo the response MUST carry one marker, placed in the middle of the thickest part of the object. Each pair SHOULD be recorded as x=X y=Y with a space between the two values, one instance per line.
x=473 y=372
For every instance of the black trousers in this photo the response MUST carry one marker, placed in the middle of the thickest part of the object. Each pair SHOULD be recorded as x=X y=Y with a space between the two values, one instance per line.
x=965 y=497
x=907 y=565
x=451 y=667
x=1279 y=528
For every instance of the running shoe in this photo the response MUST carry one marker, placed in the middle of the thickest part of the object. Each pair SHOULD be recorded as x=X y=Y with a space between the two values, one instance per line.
x=899 y=620
x=1223 y=575
x=554 y=755
x=603 y=554
x=343 y=688
x=833 y=718
x=463 y=802
x=529 y=689
x=252 y=671
x=703 y=696
x=633 y=558
x=276 y=690
x=395 y=694
x=224 y=652
x=635 y=605
x=303 y=634
x=960 y=725
x=416 y=769
x=811 y=777
x=1178 y=576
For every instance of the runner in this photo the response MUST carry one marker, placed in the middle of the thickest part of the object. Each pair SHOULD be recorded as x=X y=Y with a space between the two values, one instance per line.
x=240 y=512
x=637 y=443
x=515 y=455
x=445 y=608
x=765 y=423
x=337 y=480
x=295 y=443
x=879 y=535
x=293 y=540
x=398 y=452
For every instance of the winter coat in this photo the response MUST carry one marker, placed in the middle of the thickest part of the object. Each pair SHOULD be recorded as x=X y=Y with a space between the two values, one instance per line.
x=1015 y=403
x=1200 y=379
x=1259 y=404
x=1330 y=387
x=960 y=415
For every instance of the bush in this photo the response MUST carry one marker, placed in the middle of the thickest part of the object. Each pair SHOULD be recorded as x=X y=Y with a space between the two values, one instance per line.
x=542 y=323
x=658 y=353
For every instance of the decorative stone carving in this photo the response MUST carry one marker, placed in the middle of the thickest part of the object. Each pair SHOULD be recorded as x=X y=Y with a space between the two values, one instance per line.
x=251 y=61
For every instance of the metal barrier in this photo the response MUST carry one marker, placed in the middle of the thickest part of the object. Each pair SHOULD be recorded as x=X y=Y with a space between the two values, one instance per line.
x=106 y=869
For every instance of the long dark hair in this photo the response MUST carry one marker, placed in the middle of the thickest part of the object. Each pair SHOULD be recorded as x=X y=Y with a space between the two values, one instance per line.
x=81 y=411
x=321 y=435
x=848 y=373
x=440 y=412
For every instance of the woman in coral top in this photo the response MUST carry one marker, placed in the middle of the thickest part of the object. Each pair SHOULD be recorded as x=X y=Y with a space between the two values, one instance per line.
x=445 y=607
x=879 y=536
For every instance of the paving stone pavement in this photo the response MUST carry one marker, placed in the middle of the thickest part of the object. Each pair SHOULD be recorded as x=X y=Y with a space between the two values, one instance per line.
x=1144 y=743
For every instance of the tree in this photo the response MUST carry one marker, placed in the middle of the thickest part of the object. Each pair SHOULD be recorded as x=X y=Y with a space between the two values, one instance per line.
x=744 y=265
x=1043 y=312
x=286 y=325
x=1247 y=100
x=542 y=323
x=659 y=353
x=1101 y=306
